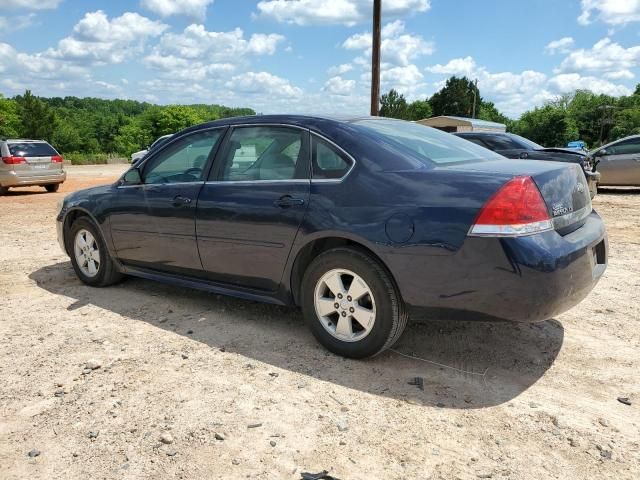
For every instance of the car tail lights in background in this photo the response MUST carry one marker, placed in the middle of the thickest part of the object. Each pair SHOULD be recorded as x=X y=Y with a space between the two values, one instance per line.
x=56 y=159
x=13 y=160
x=516 y=209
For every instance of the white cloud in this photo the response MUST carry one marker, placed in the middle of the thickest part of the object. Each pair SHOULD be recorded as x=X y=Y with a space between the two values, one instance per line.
x=340 y=69
x=569 y=82
x=397 y=47
x=339 y=86
x=263 y=83
x=562 y=45
x=334 y=12
x=620 y=75
x=196 y=9
x=604 y=57
x=613 y=12
x=195 y=42
x=29 y=4
x=98 y=40
x=457 y=66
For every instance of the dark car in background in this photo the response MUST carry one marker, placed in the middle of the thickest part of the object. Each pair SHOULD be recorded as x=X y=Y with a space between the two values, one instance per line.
x=359 y=221
x=511 y=145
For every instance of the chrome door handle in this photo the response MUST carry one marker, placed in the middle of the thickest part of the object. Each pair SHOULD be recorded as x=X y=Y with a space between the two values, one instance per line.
x=179 y=200
x=287 y=201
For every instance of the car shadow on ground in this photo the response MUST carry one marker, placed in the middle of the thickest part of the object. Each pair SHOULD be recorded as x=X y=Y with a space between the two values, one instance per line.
x=22 y=193
x=463 y=365
x=618 y=191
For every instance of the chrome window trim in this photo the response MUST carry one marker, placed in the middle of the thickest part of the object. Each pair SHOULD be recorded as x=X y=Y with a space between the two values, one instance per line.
x=340 y=149
x=296 y=181
x=198 y=182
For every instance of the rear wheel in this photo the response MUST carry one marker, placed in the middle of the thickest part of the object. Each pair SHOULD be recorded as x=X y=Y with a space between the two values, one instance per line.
x=89 y=255
x=351 y=303
x=52 y=187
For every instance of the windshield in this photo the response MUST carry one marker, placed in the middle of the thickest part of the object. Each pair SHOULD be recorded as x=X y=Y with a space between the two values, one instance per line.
x=32 y=149
x=428 y=144
x=527 y=142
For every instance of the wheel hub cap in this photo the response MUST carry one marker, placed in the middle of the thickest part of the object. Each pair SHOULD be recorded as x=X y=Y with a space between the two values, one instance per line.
x=345 y=305
x=87 y=253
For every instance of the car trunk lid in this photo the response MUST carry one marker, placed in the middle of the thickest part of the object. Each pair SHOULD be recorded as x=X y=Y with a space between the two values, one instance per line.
x=563 y=187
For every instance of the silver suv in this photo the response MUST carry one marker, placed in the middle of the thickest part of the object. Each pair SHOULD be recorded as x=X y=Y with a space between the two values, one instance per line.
x=30 y=162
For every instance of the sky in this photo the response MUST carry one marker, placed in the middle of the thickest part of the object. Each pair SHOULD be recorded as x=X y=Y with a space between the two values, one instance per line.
x=280 y=56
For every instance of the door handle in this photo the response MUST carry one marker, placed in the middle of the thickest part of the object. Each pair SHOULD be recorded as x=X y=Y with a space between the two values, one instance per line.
x=287 y=201
x=179 y=200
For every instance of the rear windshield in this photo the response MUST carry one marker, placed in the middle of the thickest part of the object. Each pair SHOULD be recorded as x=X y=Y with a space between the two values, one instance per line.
x=427 y=144
x=32 y=149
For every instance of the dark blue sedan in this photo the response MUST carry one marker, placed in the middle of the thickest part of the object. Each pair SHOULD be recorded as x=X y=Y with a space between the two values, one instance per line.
x=360 y=222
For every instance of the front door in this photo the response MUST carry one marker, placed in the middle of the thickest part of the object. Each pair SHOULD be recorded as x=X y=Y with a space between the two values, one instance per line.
x=153 y=224
x=250 y=210
x=621 y=163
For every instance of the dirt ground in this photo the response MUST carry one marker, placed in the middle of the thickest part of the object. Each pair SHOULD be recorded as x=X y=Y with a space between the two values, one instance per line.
x=200 y=371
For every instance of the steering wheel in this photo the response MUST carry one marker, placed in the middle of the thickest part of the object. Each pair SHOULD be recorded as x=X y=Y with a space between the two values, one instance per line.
x=195 y=171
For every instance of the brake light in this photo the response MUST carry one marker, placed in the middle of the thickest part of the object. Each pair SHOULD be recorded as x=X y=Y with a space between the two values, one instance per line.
x=516 y=209
x=12 y=160
x=56 y=159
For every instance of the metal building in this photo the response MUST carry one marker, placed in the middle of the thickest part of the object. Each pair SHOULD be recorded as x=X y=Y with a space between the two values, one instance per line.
x=462 y=124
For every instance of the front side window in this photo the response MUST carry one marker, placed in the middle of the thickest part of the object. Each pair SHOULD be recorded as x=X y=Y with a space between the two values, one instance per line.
x=265 y=154
x=502 y=142
x=183 y=161
x=327 y=162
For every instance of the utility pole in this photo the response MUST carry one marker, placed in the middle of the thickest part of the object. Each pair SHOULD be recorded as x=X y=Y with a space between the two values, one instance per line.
x=475 y=94
x=375 y=59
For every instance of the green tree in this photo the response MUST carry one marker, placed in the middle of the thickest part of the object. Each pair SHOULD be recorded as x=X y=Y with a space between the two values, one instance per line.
x=38 y=119
x=393 y=105
x=9 y=119
x=419 y=110
x=549 y=125
x=456 y=98
x=488 y=111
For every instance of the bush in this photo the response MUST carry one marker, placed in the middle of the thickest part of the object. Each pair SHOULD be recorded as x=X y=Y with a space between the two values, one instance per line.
x=78 y=158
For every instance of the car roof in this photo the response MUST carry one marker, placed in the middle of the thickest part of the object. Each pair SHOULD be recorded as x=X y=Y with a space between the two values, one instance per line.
x=464 y=134
x=23 y=140
x=294 y=119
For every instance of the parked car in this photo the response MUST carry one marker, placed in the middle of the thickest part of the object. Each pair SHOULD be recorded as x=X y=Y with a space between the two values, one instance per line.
x=619 y=162
x=515 y=146
x=136 y=157
x=26 y=163
x=360 y=222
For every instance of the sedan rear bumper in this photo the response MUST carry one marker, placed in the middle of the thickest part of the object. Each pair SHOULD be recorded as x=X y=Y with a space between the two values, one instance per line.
x=14 y=179
x=525 y=279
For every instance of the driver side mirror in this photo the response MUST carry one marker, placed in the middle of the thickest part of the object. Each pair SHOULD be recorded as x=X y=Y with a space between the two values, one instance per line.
x=132 y=177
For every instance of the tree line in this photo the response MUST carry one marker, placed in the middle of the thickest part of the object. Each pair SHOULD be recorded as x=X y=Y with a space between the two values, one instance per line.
x=121 y=127
x=98 y=126
x=583 y=115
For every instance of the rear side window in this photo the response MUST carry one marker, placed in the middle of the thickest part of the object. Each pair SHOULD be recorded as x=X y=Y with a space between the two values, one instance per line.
x=628 y=147
x=328 y=163
x=501 y=142
x=32 y=149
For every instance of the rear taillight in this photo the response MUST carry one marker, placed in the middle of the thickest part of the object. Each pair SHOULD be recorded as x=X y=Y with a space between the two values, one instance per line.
x=516 y=209
x=11 y=160
x=56 y=159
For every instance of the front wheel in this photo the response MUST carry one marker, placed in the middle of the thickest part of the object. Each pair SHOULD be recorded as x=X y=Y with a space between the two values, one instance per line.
x=351 y=303
x=89 y=255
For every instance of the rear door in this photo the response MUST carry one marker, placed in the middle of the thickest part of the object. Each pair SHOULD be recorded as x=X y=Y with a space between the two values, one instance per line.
x=250 y=209
x=621 y=164
x=40 y=158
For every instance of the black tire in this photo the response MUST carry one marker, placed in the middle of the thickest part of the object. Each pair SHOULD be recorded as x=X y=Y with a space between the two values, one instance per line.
x=107 y=271
x=52 y=187
x=4 y=190
x=391 y=314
